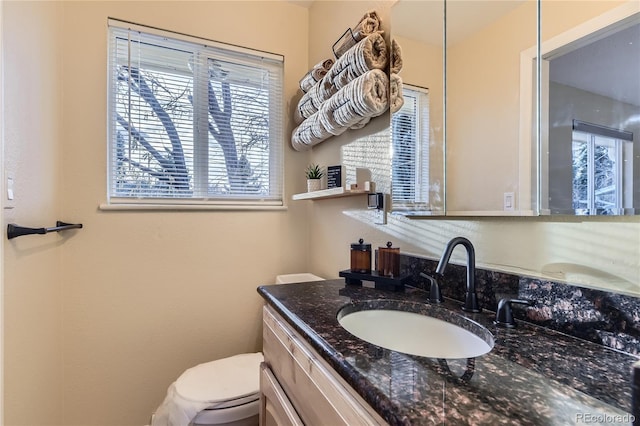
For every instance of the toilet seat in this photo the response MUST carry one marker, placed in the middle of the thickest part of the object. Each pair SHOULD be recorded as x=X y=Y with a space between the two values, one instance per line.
x=235 y=402
x=215 y=392
x=227 y=415
x=229 y=381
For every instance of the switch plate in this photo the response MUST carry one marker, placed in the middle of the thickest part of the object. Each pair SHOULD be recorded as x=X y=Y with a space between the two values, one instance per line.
x=9 y=190
x=509 y=201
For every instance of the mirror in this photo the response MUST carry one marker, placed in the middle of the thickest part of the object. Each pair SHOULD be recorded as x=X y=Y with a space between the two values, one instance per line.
x=488 y=114
x=590 y=111
x=493 y=165
x=417 y=127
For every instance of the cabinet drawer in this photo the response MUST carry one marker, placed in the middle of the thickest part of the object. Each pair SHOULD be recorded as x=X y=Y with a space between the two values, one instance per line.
x=276 y=408
x=317 y=393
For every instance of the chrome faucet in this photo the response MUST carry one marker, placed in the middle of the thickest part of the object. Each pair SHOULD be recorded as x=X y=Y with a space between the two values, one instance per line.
x=471 y=297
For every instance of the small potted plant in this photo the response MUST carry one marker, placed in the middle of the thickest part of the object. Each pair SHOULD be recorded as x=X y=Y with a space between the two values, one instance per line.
x=314 y=173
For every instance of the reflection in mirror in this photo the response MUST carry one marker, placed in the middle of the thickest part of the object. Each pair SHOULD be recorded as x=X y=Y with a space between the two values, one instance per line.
x=489 y=149
x=591 y=102
x=417 y=127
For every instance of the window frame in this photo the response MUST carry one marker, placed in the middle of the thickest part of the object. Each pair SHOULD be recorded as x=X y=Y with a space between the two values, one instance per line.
x=206 y=50
x=592 y=136
x=421 y=139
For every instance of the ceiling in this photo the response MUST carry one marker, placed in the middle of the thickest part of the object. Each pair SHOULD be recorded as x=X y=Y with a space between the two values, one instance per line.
x=609 y=66
x=303 y=3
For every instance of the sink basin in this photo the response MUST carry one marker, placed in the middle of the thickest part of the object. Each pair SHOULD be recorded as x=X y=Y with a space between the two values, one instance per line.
x=416 y=329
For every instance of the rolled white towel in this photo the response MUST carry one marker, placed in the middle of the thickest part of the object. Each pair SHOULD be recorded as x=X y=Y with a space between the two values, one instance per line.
x=313 y=99
x=351 y=107
x=311 y=132
x=311 y=78
x=368 y=24
x=325 y=115
x=396 y=98
x=361 y=124
x=315 y=74
x=370 y=53
x=366 y=96
x=396 y=57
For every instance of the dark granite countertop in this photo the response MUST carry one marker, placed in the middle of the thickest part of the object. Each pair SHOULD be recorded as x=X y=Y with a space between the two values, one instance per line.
x=533 y=375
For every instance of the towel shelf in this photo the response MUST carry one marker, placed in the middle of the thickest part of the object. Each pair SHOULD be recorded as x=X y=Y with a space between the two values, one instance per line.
x=328 y=193
x=14 y=230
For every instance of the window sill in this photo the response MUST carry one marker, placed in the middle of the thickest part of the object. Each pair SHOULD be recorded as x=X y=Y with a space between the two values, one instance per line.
x=188 y=207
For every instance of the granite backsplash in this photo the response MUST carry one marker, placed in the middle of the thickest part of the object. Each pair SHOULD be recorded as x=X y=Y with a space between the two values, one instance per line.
x=609 y=319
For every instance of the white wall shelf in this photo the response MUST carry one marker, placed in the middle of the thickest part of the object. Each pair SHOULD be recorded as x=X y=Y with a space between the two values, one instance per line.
x=328 y=193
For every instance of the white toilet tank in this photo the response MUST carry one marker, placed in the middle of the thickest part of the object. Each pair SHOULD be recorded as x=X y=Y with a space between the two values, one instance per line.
x=297 y=278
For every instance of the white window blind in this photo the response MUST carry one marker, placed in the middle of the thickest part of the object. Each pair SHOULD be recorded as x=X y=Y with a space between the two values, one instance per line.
x=192 y=121
x=410 y=165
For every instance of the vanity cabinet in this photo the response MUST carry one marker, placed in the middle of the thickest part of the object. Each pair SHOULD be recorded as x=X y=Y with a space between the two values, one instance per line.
x=298 y=387
x=275 y=407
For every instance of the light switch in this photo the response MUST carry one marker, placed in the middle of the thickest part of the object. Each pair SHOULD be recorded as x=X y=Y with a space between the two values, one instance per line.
x=10 y=188
x=509 y=201
x=10 y=191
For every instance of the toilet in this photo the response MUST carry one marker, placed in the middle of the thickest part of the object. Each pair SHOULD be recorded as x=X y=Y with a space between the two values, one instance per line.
x=225 y=392
x=297 y=278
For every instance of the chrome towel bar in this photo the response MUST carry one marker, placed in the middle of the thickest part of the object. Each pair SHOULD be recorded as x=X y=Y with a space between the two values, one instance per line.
x=14 y=230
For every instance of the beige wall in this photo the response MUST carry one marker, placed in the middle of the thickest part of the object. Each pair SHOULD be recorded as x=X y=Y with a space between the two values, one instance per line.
x=102 y=321
x=151 y=294
x=33 y=338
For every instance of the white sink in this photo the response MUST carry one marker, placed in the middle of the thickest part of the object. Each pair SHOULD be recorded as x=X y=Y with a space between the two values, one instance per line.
x=417 y=334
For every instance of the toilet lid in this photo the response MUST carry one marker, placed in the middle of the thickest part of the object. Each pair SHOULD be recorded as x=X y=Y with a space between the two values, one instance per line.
x=221 y=380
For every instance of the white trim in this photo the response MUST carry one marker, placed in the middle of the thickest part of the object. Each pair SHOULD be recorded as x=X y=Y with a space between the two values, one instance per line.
x=421 y=158
x=526 y=142
x=543 y=160
x=192 y=39
x=491 y=213
x=590 y=27
x=189 y=207
x=233 y=201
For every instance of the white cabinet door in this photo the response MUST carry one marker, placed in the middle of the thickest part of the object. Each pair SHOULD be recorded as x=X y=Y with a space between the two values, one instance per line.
x=318 y=394
x=275 y=407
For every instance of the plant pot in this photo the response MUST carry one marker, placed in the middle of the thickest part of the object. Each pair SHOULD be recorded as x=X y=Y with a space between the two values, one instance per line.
x=313 y=185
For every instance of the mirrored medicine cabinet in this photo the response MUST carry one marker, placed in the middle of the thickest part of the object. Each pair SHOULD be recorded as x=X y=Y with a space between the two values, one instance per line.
x=470 y=122
x=590 y=112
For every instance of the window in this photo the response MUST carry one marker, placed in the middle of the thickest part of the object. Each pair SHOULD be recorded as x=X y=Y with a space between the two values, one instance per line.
x=601 y=159
x=192 y=121
x=410 y=165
